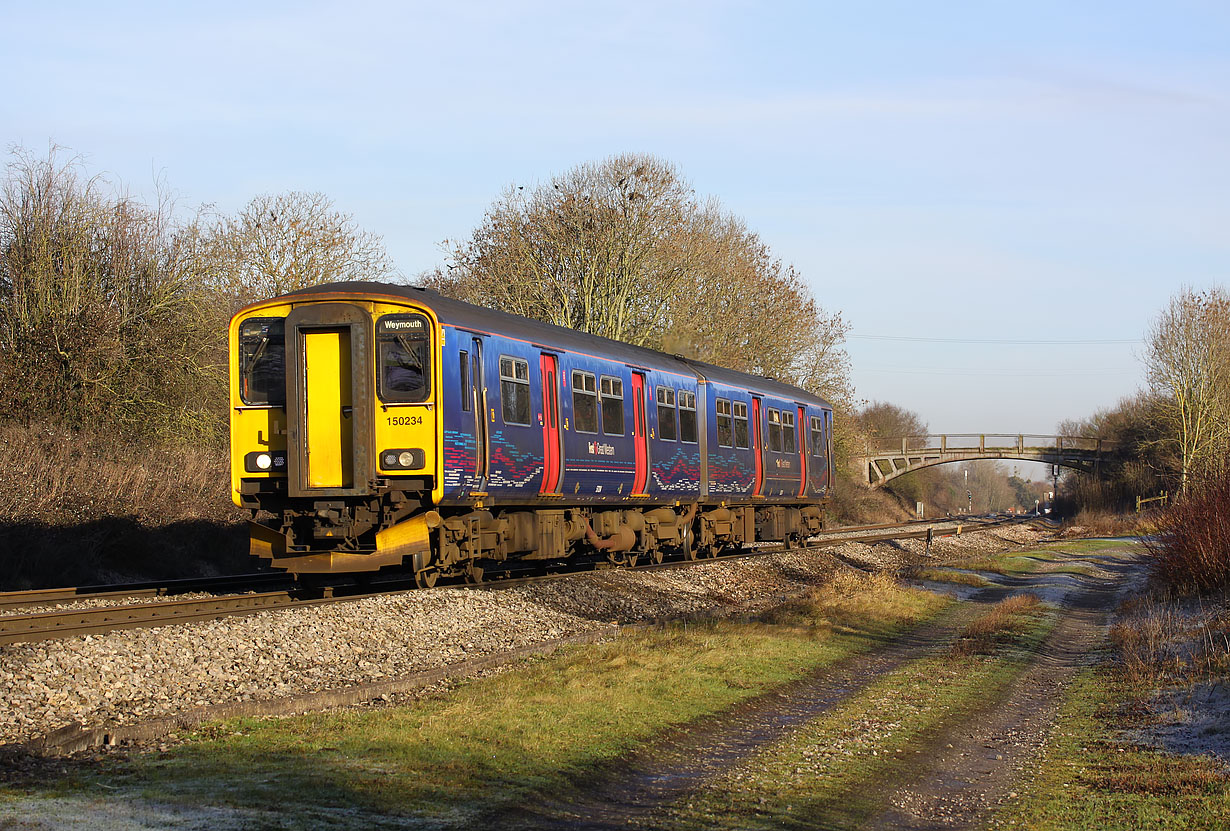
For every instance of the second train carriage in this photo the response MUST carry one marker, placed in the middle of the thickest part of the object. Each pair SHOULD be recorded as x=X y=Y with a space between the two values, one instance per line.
x=375 y=425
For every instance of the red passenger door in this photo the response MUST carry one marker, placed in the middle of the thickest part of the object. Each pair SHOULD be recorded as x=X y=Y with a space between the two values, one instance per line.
x=800 y=428
x=478 y=400
x=757 y=447
x=640 y=435
x=551 y=450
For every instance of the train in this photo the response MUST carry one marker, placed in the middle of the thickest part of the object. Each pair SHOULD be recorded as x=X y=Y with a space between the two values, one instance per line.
x=377 y=426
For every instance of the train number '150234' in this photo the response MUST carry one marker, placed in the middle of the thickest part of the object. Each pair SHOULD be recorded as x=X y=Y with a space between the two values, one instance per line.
x=400 y=421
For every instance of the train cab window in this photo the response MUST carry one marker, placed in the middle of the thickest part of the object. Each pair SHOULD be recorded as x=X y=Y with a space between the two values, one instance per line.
x=817 y=436
x=464 y=366
x=687 y=416
x=515 y=390
x=612 y=390
x=262 y=361
x=725 y=432
x=787 y=431
x=584 y=402
x=666 y=414
x=404 y=350
x=775 y=430
x=741 y=433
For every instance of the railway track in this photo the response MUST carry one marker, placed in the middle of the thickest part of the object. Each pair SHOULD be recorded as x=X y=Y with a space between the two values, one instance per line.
x=27 y=626
x=166 y=588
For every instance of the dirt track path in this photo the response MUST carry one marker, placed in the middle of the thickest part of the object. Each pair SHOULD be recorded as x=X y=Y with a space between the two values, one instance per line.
x=967 y=769
x=973 y=766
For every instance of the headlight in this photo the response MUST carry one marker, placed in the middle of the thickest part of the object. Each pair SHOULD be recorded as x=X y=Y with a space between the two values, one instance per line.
x=260 y=461
x=399 y=459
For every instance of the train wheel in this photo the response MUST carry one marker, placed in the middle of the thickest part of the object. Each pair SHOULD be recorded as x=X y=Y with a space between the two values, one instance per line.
x=426 y=578
x=687 y=549
x=656 y=555
x=474 y=574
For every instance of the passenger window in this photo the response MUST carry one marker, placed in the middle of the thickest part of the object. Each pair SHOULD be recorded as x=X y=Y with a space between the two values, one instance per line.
x=515 y=390
x=687 y=416
x=666 y=414
x=725 y=432
x=465 y=381
x=741 y=434
x=612 y=406
x=817 y=436
x=775 y=431
x=788 y=432
x=584 y=403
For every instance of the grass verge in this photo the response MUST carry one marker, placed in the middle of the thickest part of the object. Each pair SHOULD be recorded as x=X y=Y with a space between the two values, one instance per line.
x=1090 y=779
x=1049 y=560
x=948 y=575
x=495 y=741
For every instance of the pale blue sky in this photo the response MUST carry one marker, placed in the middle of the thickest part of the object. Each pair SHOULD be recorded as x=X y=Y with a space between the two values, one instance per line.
x=975 y=171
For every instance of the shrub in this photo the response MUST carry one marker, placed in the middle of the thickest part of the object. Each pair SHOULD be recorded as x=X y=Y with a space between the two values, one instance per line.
x=1191 y=549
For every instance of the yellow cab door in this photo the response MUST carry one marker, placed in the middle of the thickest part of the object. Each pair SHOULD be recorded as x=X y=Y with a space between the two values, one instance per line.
x=329 y=400
x=328 y=408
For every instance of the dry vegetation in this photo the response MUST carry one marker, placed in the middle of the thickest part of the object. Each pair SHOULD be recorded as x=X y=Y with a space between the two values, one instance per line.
x=854 y=600
x=1007 y=618
x=1101 y=523
x=94 y=510
x=1191 y=543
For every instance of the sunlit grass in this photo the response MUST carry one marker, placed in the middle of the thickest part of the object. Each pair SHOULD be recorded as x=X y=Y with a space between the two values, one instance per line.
x=496 y=740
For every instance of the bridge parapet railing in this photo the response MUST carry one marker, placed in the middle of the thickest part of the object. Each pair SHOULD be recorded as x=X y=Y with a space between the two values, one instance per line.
x=983 y=443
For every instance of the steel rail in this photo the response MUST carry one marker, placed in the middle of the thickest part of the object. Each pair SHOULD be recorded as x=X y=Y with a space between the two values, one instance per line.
x=57 y=625
x=164 y=588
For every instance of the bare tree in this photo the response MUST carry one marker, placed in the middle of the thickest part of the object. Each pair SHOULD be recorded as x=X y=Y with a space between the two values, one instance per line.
x=880 y=418
x=97 y=294
x=279 y=243
x=1188 y=361
x=590 y=250
x=622 y=248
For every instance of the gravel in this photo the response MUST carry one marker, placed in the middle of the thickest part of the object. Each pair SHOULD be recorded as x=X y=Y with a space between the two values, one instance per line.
x=136 y=675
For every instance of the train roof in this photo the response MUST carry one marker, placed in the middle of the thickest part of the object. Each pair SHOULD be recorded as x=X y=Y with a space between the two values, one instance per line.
x=478 y=318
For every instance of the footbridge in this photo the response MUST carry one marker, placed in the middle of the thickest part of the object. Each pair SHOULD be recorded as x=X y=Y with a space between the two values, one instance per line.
x=886 y=458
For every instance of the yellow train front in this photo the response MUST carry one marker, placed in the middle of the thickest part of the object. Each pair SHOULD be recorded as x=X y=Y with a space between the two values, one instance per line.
x=334 y=428
x=375 y=426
